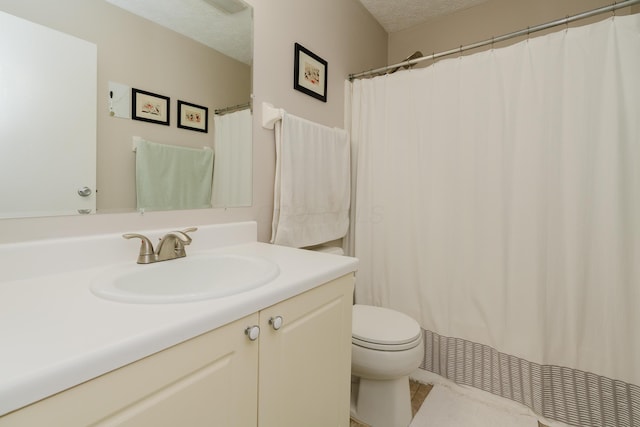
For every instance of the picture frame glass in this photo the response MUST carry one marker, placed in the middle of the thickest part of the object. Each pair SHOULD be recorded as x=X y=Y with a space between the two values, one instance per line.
x=193 y=117
x=310 y=73
x=150 y=107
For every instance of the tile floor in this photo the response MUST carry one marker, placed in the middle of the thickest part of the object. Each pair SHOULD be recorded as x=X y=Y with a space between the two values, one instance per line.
x=418 y=391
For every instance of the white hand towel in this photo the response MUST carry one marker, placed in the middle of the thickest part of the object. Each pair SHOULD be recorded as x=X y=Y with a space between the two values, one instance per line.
x=312 y=192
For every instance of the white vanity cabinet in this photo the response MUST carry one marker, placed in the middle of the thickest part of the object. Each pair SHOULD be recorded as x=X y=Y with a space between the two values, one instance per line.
x=295 y=375
x=210 y=380
x=305 y=364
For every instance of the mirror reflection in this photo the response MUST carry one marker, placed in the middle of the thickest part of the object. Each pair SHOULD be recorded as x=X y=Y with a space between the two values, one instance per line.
x=82 y=88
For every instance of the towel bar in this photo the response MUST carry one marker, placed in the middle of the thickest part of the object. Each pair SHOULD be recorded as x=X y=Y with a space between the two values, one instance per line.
x=136 y=139
x=270 y=115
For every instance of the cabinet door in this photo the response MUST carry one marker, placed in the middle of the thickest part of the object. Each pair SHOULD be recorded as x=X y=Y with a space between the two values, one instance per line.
x=305 y=366
x=210 y=380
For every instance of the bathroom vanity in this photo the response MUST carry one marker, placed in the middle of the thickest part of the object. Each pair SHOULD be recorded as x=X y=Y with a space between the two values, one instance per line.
x=277 y=355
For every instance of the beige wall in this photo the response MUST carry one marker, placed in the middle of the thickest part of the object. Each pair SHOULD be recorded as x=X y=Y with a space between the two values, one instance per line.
x=490 y=19
x=340 y=31
x=343 y=33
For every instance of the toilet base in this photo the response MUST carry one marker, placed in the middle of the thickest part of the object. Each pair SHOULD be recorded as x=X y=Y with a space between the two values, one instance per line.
x=382 y=403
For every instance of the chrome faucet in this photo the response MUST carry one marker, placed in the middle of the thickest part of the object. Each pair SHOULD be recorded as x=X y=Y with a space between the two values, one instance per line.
x=170 y=246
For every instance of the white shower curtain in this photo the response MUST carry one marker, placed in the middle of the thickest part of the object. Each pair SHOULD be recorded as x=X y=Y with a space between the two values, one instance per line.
x=498 y=202
x=232 y=177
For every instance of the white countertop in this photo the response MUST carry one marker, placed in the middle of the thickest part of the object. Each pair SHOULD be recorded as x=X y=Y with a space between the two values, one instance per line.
x=54 y=333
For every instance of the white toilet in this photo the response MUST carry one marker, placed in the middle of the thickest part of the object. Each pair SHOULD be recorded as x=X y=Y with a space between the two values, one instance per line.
x=386 y=346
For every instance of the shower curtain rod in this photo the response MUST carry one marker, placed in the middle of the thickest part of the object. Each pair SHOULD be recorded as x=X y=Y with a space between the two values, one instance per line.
x=235 y=108
x=410 y=62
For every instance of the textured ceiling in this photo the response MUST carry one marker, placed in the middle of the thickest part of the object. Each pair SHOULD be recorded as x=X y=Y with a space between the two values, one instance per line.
x=230 y=34
x=396 y=15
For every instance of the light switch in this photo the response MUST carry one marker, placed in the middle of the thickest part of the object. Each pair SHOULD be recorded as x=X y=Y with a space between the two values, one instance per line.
x=119 y=98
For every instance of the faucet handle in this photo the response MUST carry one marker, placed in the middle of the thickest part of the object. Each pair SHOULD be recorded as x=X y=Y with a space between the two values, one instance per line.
x=184 y=237
x=189 y=230
x=147 y=254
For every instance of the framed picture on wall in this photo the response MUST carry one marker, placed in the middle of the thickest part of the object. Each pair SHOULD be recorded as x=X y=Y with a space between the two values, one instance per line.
x=193 y=117
x=150 y=107
x=310 y=73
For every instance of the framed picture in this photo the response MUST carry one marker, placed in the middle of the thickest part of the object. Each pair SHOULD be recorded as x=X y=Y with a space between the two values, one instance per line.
x=150 y=107
x=193 y=117
x=310 y=73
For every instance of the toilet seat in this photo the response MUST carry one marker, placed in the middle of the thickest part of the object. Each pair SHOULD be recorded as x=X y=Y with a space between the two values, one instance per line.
x=379 y=328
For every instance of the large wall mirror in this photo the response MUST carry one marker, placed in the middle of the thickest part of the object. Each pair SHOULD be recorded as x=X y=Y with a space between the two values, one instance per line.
x=193 y=56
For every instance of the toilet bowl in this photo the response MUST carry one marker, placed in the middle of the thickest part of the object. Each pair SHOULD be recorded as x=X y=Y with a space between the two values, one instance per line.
x=386 y=346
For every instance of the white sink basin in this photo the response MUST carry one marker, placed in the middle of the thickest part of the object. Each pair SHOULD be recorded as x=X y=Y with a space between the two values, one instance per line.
x=193 y=278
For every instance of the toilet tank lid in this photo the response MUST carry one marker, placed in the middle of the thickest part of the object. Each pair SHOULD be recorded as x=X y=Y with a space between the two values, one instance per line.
x=380 y=325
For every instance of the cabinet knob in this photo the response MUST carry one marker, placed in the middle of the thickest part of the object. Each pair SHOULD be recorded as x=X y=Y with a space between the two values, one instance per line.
x=84 y=191
x=276 y=322
x=253 y=332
